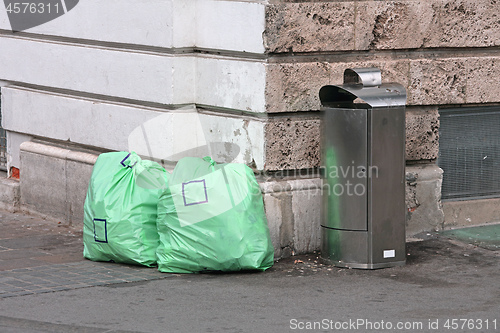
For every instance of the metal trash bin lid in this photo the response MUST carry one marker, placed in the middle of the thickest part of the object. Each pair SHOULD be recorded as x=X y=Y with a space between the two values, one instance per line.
x=365 y=84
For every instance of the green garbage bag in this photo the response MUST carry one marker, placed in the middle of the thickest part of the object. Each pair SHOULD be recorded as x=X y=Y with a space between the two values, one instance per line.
x=211 y=218
x=120 y=209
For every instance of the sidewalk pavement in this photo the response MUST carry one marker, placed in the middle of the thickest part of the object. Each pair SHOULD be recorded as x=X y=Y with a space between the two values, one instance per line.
x=28 y=241
x=47 y=286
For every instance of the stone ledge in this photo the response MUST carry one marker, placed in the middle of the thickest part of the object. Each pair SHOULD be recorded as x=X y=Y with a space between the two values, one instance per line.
x=304 y=184
x=57 y=152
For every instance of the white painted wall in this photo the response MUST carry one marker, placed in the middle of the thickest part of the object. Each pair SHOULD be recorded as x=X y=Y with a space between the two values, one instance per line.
x=153 y=77
x=213 y=24
x=14 y=141
x=147 y=22
x=230 y=25
x=231 y=83
x=112 y=72
x=155 y=133
x=154 y=63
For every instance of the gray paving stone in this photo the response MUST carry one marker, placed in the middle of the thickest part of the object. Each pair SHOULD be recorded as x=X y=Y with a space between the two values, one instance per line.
x=59 y=277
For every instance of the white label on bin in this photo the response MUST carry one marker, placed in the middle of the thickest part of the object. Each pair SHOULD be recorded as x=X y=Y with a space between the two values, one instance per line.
x=389 y=253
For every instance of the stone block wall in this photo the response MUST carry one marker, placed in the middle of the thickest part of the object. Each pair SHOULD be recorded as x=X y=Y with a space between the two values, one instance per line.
x=444 y=52
x=239 y=80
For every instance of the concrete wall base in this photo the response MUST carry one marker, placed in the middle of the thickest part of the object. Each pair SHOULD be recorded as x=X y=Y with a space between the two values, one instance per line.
x=293 y=213
x=54 y=181
x=9 y=194
x=423 y=198
x=471 y=212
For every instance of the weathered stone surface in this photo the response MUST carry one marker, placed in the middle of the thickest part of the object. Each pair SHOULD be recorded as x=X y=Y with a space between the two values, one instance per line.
x=393 y=24
x=437 y=81
x=423 y=198
x=307 y=27
x=426 y=24
x=483 y=83
x=434 y=81
x=464 y=23
x=422 y=134
x=292 y=143
x=364 y=25
x=295 y=86
x=306 y=206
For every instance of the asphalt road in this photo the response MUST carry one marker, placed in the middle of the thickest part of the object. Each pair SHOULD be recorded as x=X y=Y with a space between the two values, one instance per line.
x=446 y=286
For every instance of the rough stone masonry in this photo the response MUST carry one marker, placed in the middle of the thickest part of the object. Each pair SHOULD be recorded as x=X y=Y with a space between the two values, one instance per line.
x=444 y=52
x=250 y=73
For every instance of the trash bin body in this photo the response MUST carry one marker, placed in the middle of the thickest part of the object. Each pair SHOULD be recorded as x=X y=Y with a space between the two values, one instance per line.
x=363 y=169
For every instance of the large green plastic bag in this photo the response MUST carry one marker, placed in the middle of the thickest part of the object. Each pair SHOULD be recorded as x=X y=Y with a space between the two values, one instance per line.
x=211 y=218
x=120 y=210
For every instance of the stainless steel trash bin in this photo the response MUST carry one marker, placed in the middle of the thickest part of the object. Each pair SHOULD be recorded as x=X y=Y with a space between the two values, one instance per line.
x=363 y=168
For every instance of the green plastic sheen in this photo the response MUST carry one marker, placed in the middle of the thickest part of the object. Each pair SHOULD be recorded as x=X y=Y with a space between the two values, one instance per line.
x=211 y=218
x=120 y=209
